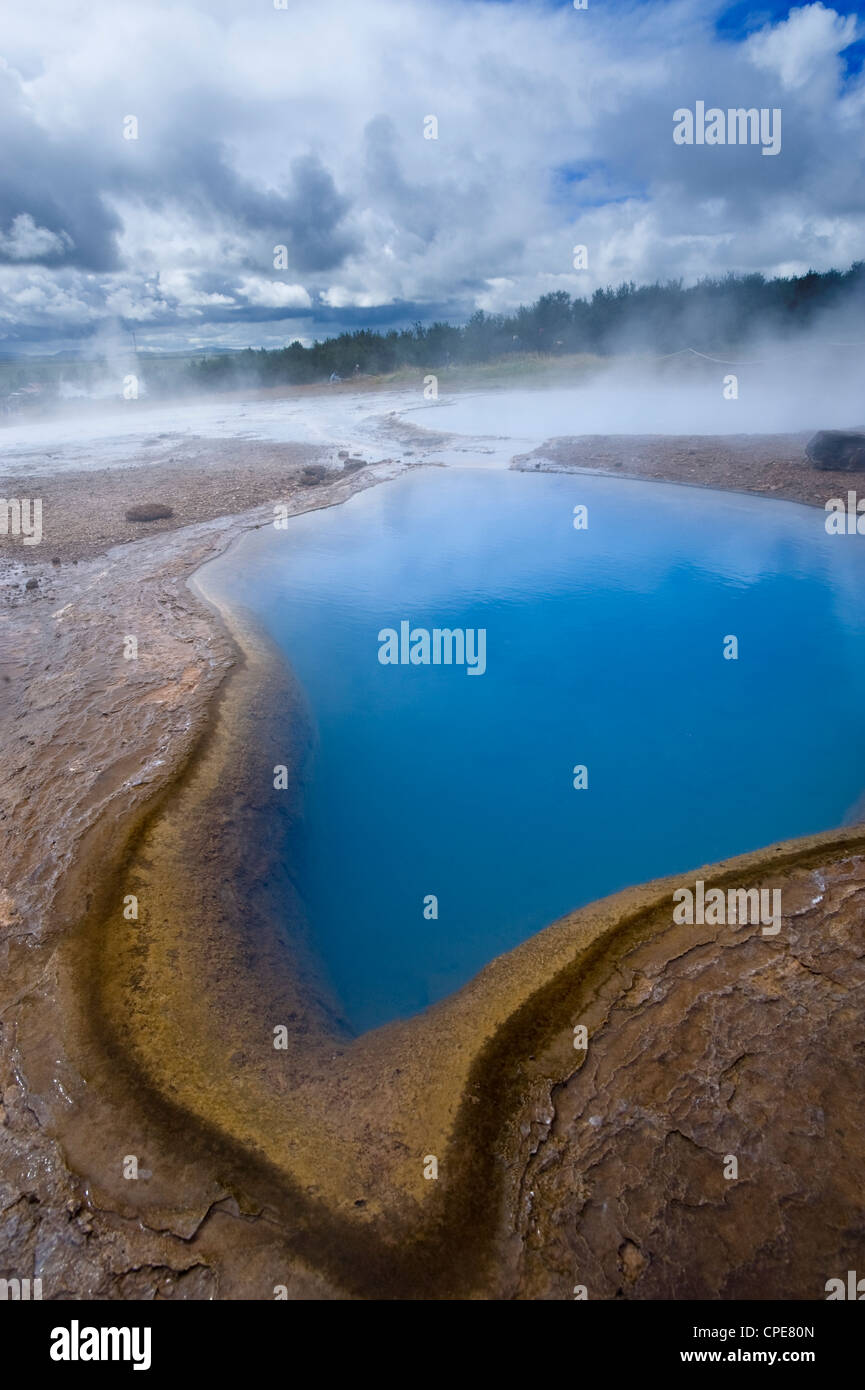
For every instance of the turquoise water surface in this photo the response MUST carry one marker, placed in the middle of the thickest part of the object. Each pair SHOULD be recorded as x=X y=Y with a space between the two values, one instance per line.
x=604 y=647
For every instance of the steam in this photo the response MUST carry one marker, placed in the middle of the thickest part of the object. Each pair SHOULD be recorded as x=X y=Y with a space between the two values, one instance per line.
x=770 y=384
x=114 y=363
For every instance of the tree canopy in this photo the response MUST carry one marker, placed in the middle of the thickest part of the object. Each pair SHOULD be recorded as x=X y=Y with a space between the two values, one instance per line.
x=713 y=316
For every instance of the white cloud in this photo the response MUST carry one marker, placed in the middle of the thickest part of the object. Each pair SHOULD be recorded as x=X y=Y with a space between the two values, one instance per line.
x=805 y=46
x=500 y=294
x=24 y=241
x=338 y=297
x=273 y=294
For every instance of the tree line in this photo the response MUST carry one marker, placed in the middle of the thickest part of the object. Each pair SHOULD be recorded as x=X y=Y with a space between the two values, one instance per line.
x=713 y=316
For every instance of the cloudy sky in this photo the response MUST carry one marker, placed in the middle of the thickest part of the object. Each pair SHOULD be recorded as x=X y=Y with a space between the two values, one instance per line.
x=303 y=127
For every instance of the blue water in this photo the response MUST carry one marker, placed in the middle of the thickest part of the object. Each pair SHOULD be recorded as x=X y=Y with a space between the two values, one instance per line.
x=604 y=648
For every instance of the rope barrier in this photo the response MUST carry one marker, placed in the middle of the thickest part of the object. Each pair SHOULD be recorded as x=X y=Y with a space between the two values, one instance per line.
x=759 y=362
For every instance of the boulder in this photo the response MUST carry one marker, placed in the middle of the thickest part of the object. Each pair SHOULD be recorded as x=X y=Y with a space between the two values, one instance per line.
x=149 y=511
x=312 y=474
x=842 y=450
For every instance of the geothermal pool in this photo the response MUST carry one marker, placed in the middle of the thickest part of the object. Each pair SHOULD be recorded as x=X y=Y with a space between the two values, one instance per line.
x=604 y=648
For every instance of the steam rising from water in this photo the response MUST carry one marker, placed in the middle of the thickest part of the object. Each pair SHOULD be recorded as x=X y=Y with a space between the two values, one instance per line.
x=783 y=391
x=769 y=388
x=115 y=361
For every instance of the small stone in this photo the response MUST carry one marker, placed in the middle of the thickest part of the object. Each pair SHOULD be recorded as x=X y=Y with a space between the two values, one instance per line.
x=149 y=511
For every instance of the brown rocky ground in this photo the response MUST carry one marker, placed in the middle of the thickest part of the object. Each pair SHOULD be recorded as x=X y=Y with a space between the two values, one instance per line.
x=773 y=465
x=84 y=513
x=557 y=1168
x=706 y=1046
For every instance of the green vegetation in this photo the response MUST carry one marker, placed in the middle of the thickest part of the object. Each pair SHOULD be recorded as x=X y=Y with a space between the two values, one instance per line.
x=714 y=316
x=556 y=338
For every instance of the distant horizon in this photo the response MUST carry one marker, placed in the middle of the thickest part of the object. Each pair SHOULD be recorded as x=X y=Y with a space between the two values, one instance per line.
x=123 y=340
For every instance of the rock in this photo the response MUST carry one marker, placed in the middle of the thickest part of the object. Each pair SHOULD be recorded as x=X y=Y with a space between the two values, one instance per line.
x=32 y=584
x=149 y=511
x=843 y=450
x=312 y=474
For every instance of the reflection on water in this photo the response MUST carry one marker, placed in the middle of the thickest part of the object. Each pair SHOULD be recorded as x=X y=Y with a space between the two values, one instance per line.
x=604 y=648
